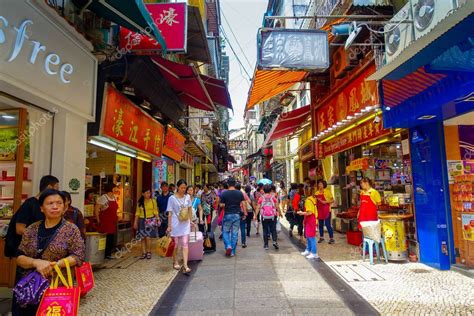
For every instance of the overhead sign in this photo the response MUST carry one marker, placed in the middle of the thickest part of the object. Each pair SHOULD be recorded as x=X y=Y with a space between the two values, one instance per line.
x=125 y=122
x=237 y=144
x=358 y=164
x=360 y=134
x=39 y=56
x=354 y=97
x=293 y=49
x=170 y=18
x=174 y=144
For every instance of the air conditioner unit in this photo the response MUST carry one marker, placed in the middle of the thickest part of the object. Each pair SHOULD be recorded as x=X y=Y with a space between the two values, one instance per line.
x=428 y=13
x=398 y=35
x=342 y=62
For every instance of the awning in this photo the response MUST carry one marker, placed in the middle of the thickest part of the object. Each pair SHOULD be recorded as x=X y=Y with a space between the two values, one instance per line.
x=186 y=82
x=197 y=45
x=131 y=14
x=194 y=148
x=269 y=83
x=255 y=154
x=429 y=46
x=287 y=123
x=218 y=91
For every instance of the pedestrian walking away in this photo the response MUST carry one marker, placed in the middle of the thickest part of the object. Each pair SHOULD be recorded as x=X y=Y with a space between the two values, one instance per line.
x=325 y=199
x=233 y=202
x=269 y=212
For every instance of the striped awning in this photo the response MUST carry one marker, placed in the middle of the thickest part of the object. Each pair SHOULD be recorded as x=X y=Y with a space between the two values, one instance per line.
x=396 y=92
x=269 y=83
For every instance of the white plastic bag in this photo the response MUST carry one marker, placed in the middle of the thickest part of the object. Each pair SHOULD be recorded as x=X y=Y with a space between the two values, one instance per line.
x=372 y=230
x=278 y=226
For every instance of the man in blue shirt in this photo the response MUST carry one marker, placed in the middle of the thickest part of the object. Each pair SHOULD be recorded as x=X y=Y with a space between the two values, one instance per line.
x=162 y=202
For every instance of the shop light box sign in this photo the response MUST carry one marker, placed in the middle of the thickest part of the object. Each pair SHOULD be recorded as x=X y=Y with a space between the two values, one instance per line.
x=126 y=123
x=293 y=49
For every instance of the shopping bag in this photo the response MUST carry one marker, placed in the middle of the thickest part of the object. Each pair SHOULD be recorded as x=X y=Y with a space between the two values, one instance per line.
x=60 y=300
x=278 y=226
x=221 y=218
x=30 y=289
x=85 y=278
x=165 y=246
x=372 y=230
x=207 y=243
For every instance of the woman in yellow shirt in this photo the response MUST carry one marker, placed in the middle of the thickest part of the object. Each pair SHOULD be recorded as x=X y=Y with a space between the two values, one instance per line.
x=146 y=222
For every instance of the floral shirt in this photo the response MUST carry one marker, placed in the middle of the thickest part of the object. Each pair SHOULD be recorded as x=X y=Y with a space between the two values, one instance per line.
x=67 y=242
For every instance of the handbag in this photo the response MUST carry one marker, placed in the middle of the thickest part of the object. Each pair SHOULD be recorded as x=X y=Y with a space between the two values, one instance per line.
x=165 y=246
x=85 y=278
x=30 y=289
x=60 y=300
x=278 y=226
x=183 y=212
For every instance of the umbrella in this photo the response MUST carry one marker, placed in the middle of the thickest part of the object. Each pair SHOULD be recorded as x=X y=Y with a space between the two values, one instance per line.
x=264 y=181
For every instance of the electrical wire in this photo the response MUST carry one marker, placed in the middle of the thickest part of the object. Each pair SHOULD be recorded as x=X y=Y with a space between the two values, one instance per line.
x=235 y=37
x=235 y=54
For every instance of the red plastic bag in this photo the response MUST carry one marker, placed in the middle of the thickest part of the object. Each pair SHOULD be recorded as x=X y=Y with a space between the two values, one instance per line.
x=85 y=278
x=220 y=219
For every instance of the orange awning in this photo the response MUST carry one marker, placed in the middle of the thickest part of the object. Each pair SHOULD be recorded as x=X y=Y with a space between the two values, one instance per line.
x=269 y=83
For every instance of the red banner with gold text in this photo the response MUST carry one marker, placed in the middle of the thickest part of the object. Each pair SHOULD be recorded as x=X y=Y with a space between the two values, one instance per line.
x=126 y=123
x=174 y=144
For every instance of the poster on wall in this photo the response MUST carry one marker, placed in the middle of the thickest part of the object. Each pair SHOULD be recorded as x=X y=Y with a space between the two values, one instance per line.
x=159 y=173
x=468 y=226
x=455 y=168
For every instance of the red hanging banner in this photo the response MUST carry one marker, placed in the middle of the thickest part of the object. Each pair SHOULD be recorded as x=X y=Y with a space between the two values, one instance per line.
x=170 y=19
x=126 y=123
x=174 y=144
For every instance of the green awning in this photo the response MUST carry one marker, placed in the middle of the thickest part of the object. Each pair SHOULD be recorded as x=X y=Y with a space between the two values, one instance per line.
x=131 y=14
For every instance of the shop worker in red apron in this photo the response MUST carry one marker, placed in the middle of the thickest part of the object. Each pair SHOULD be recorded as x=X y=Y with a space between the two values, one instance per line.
x=106 y=213
x=369 y=200
x=324 y=200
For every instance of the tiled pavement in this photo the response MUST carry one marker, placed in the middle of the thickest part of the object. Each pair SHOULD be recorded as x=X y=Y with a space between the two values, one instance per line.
x=257 y=282
x=400 y=288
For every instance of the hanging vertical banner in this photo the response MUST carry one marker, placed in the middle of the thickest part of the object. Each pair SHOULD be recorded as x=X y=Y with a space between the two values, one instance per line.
x=174 y=144
x=170 y=18
x=159 y=172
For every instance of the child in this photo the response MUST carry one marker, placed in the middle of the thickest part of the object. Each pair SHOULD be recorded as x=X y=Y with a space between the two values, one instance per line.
x=310 y=214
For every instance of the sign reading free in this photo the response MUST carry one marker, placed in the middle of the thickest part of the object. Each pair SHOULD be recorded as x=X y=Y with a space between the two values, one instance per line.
x=41 y=56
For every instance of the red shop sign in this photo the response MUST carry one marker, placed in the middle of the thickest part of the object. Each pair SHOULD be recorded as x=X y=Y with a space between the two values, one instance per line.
x=188 y=159
x=174 y=144
x=358 y=135
x=126 y=123
x=351 y=99
x=170 y=19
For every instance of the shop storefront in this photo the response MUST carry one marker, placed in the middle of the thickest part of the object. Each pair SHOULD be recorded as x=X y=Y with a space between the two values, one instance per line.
x=173 y=148
x=47 y=96
x=127 y=141
x=439 y=115
x=187 y=168
x=353 y=143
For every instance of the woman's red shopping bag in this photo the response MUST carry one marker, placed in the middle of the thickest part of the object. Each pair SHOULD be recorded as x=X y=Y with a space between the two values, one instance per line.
x=220 y=219
x=85 y=278
x=60 y=300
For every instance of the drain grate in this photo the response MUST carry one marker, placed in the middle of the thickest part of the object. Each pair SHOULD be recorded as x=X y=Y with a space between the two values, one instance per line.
x=356 y=272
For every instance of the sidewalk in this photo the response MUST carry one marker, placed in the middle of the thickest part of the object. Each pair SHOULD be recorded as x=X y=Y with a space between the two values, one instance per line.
x=257 y=282
x=399 y=288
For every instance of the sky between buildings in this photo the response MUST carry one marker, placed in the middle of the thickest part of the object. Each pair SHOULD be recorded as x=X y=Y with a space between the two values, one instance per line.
x=245 y=18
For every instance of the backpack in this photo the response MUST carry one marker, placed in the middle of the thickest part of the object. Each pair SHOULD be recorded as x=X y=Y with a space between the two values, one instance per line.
x=301 y=206
x=268 y=207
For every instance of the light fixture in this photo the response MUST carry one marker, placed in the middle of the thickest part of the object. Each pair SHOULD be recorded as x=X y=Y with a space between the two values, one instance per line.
x=329 y=138
x=397 y=135
x=339 y=123
x=378 y=142
x=8 y=117
x=346 y=129
x=143 y=157
x=387 y=108
x=358 y=114
x=126 y=153
x=101 y=144
x=349 y=117
x=146 y=105
x=426 y=117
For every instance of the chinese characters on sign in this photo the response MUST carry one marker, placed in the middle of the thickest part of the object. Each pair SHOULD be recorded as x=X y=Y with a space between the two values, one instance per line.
x=293 y=49
x=125 y=122
x=351 y=99
x=174 y=144
x=356 y=136
x=358 y=164
x=237 y=144
x=170 y=19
